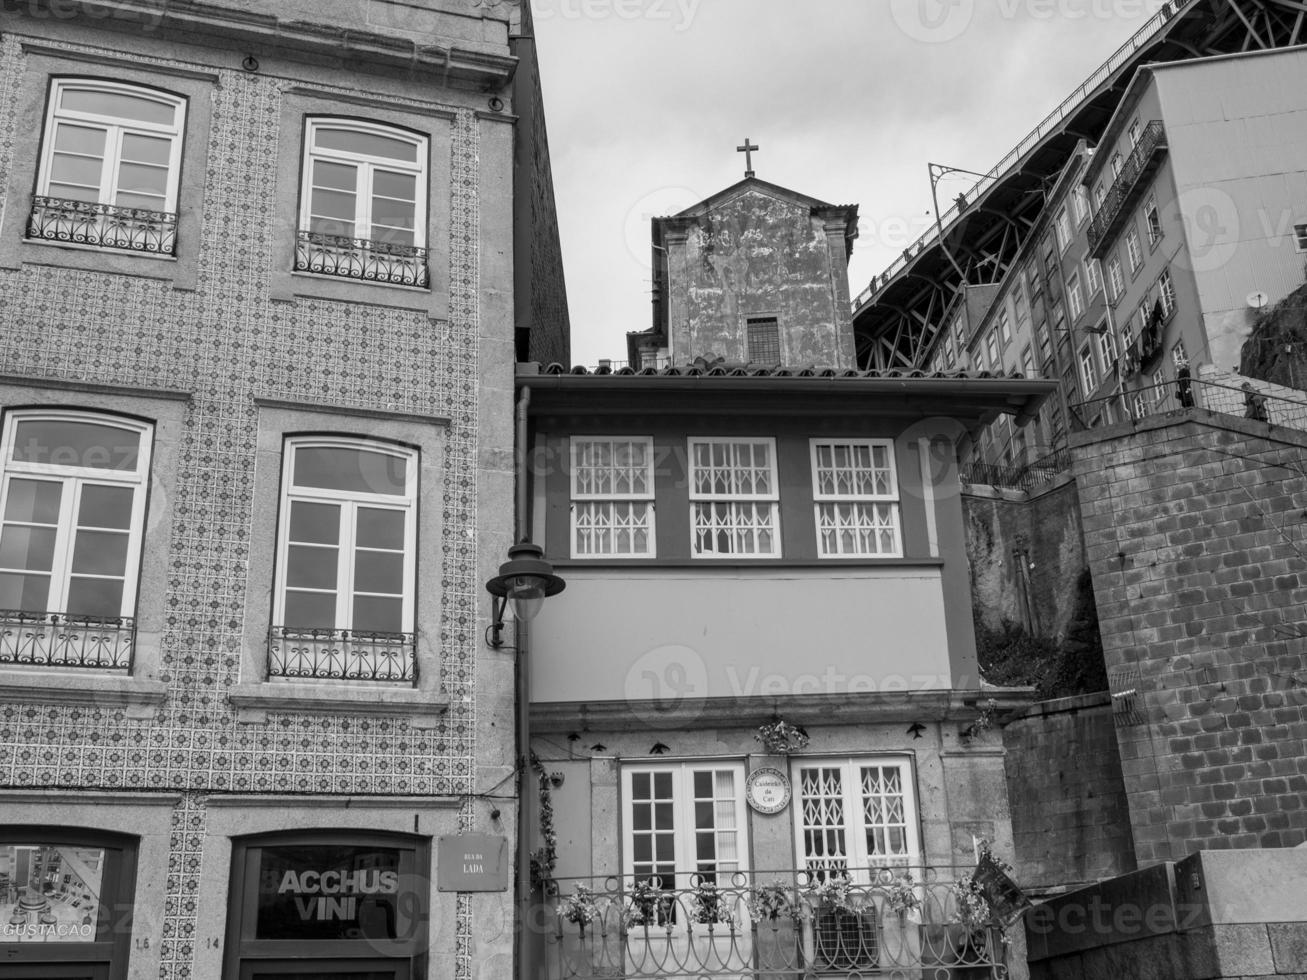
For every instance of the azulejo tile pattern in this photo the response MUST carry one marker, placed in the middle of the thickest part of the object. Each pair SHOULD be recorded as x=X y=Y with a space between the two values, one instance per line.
x=229 y=343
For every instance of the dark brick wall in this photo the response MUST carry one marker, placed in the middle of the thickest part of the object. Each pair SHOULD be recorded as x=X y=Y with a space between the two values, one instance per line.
x=1195 y=526
x=1070 y=821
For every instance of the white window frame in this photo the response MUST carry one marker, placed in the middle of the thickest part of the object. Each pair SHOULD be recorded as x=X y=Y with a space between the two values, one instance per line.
x=1080 y=197
x=1062 y=229
x=115 y=128
x=1028 y=366
x=1115 y=278
x=1159 y=385
x=857 y=860
x=73 y=479
x=1087 y=374
x=1004 y=327
x=685 y=828
x=1106 y=350
x=1300 y=237
x=1100 y=193
x=1133 y=249
x=1178 y=354
x=1132 y=134
x=350 y=502
x=874 y=502
x=991 y=350
x=1075 y=298
x=367 y=166
x=1166 y=292
x=770 y=500
x=578 y=444
x=1093 y=278
x=1116 y=164
x=1153 y=222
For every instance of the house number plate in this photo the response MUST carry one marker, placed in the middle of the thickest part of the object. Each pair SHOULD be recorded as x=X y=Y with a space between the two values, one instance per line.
x=767 y=790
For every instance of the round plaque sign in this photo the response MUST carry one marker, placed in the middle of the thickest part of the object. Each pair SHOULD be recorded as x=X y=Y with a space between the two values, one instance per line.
x=767 y=790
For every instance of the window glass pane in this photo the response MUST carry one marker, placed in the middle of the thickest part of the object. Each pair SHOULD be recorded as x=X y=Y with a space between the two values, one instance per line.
x=77 y=171
x=67 y=442
x=54 y=887
x=27 y=592
x=380 y=528
x=350 y=470
x=391 y=236
x=330 y=175
x=314 y=523
x=70 y=192
x=27 y=548
x=392 y=214
x=311 y=568
x=400 y=187
x=379 y=571
x=33 y=501
x=146 y=202
x=120 y=105
x=80 y=140
x=109 y=507
x=365 y=144
x=331 y=226
x=378 y=614
x=138 y=148
x=332 y=205
x=100 y=553
x=310 y=610
x=95 y=597
x=142 y=178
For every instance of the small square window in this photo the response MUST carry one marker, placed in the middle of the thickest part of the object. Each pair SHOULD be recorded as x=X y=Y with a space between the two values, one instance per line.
x=109 y=169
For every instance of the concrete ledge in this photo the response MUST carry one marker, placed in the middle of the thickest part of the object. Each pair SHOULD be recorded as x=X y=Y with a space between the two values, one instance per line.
x=254 y=702
x=139 y=698
x=1061 y=706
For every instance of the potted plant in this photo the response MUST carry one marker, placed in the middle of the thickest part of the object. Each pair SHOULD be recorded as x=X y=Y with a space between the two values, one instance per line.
x=581 y=907
x=901 y=895
x=900 y=929
x=767 y=903
x=646 y=905
x=779 y=737
x=708 y=906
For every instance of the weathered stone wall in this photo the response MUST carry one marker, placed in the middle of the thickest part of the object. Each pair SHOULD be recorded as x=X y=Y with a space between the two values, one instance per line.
x=1193 y=529
x=1045 y=531
x=760 y=255
x=1070 y=821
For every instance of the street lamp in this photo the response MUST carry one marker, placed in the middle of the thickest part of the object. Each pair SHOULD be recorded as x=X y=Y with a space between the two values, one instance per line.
x=525 y=580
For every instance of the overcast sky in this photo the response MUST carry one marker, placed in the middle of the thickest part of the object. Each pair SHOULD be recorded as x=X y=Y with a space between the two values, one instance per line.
x=646 y=101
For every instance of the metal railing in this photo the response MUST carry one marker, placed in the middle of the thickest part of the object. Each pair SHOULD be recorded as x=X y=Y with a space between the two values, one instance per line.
x=349 y=655
x=1215 y=396
x=1127 y=186
x=768 y=924
x=1028 y=476
x=56 y=219
x=361 y=258
x=1122 y=55
x=49 y=639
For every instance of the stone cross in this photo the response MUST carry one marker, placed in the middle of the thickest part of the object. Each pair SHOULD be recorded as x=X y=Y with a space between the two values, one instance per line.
x=747 y=149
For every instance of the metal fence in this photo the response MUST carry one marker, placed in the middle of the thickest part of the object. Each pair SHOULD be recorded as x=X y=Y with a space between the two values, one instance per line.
x=1019 y=476
x=902 y=922
x=1247 y=400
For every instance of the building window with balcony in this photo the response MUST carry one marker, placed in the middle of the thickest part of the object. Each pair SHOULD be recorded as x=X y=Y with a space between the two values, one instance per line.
x=344 y=594
x=1116 y=164
x=1115 y=278
x=734 y=498
x=1153 y=221
x=612 y=498
x=1075 y=298
x=1166 y=293
x=857 y=498
x=1132 y=134
x=1100 y=194
x=363 y=203
x=109 y=168
x=72 y=515
x=1088 y=375
x=1134 y=252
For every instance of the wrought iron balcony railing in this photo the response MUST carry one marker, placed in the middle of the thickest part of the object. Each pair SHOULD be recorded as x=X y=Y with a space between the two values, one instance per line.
x=55 y=219
x=47 y=639
x=348 y=655
x=1128 y=186
x=361 y=258
x=770 y=925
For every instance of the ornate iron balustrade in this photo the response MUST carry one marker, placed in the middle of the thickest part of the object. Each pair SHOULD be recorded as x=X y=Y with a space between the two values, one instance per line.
x=764 y=925
x=46 y=639
x=348 y=655
x=1126 y=188
x=103 y=226
x=361 y=258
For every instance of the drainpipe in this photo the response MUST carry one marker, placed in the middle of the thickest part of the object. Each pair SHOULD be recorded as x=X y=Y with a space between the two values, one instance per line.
x=522 y=693
x=519 y=467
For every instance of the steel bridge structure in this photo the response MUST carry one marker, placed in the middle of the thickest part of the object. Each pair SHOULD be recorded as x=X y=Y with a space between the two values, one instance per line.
x=898 y=316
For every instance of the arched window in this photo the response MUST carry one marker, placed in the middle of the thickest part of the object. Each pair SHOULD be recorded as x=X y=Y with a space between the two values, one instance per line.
x=110 y=165
x=363 y=202
x=72 y=515
x=346 y=561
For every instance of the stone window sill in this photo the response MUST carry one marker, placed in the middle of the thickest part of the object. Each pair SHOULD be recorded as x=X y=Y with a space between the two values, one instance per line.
x=254 y=702
x=140 y=698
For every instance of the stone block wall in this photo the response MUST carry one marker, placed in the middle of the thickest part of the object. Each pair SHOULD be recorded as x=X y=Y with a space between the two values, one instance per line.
x=1194 y=531
x=1070 y=821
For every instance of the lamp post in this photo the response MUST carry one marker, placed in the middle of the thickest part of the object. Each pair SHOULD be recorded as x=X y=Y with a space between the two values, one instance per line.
x=937 y=172
x=525 y=581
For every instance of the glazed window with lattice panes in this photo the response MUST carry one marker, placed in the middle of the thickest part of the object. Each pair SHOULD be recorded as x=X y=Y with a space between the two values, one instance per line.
x=763 y=336
x=683 y=824
x=734 y=498
x=854 y=816
x=857 y=498
x=612 y=498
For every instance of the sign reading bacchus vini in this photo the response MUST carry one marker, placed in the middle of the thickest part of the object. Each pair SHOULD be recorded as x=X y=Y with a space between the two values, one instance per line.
x=328 y=891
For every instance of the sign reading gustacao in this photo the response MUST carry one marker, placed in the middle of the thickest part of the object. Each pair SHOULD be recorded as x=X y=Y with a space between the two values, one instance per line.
x=767 y=790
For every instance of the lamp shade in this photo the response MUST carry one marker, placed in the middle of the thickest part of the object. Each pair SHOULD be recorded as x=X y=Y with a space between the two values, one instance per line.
x=525 y=580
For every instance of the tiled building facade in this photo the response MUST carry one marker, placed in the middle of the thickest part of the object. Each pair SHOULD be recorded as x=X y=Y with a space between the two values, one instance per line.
x=326 y=325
